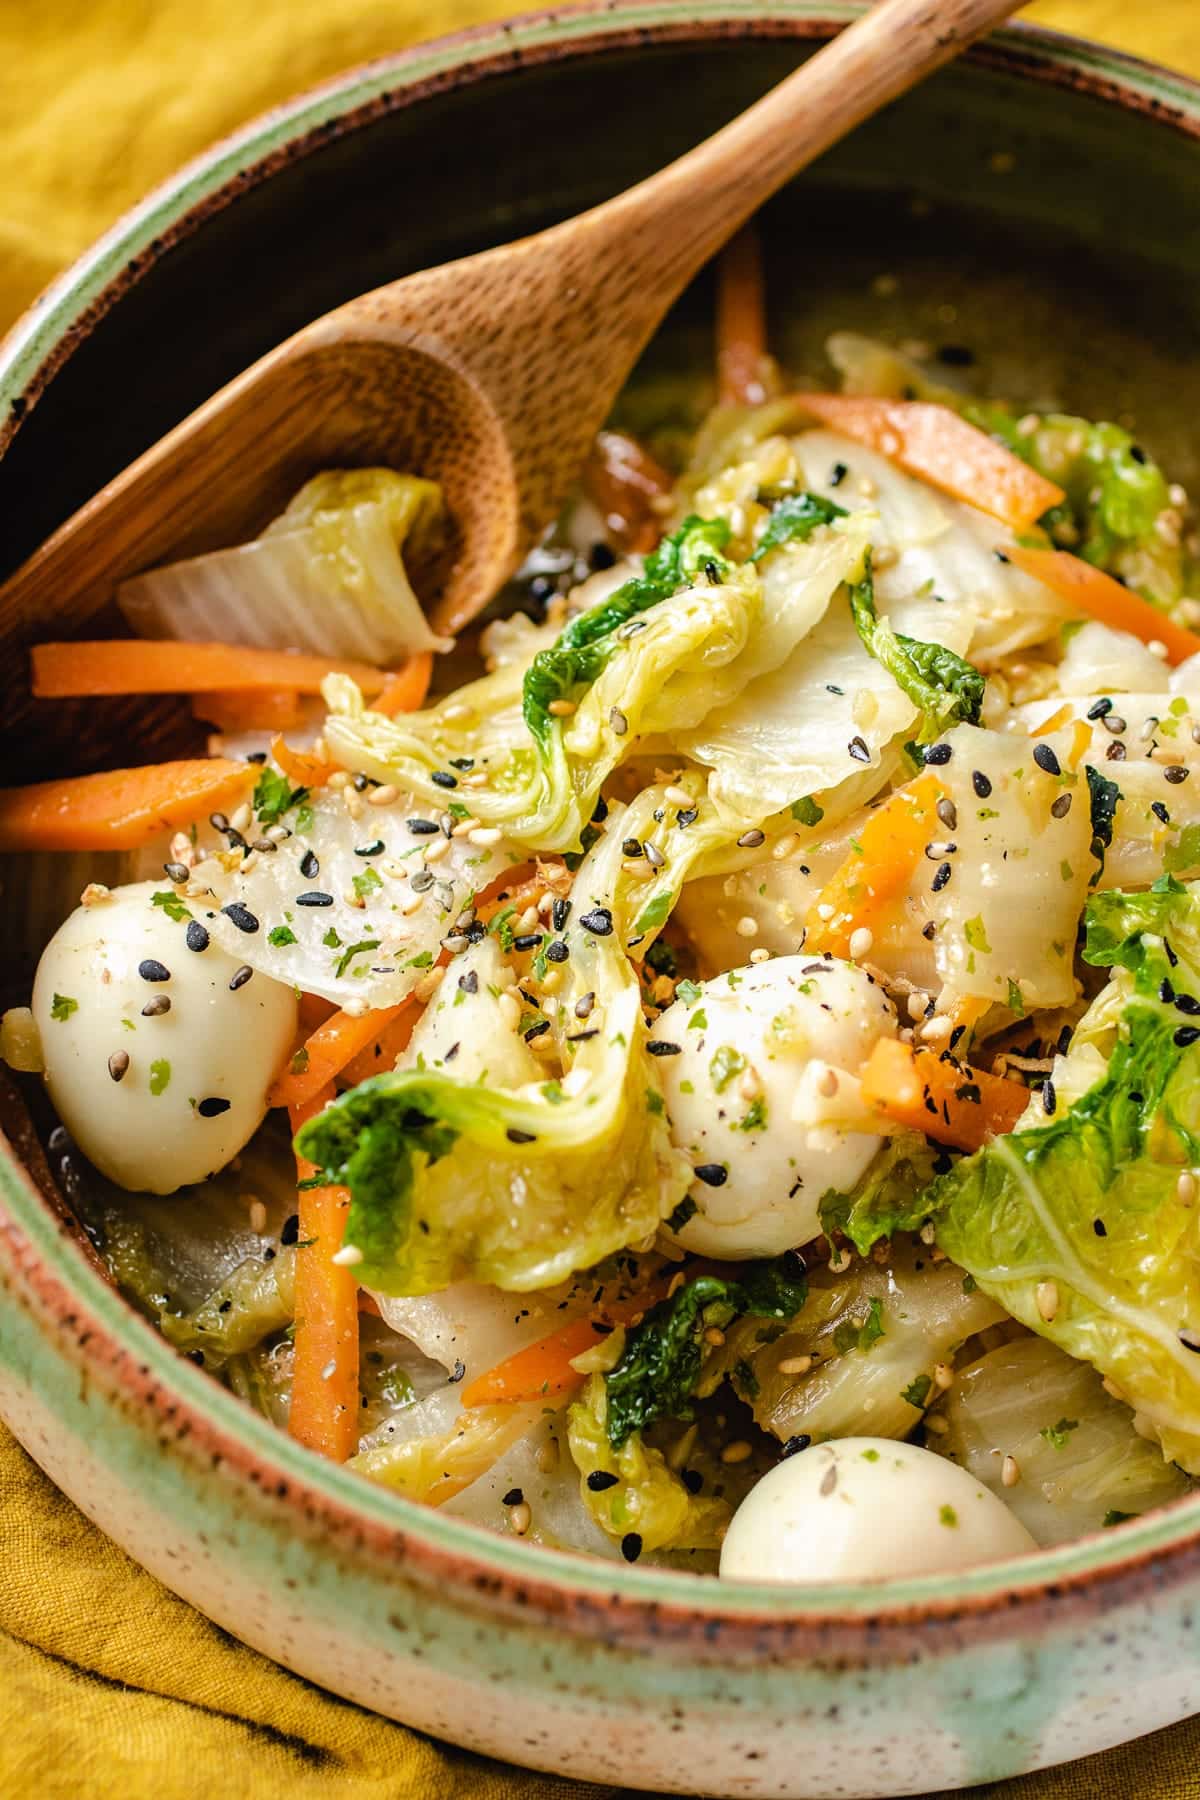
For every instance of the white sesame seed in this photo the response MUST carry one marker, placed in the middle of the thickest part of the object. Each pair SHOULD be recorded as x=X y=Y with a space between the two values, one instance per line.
x=760 y=955
x=677 y=796
x=241 y=817
x=348 y=1257
x=340 y=778
x=861 y=943
x=510 y=1011
x=940 y=1026
x=1046 y=1296
x=520 y=1517
x=95 y=894
x=934 y=1422
x=410 y=904
x=330 y=1369
x=1185 y=1188
x=478 y=780
x=747 y=927
x=738 y=1452
x=277 y=833
x=795 y=1365
x=943 y=1376
x=839 y=1261
x=428 y=984
x=1010 y=1472
x=827 y=1084
x=561 y=709
x=786 y=843
x=382 y=796
x=353 y=899
x=395 y=871
x=750 y=1085
x=825 y=912
x=928 y=1232
x=436 y=849
x=457 y=710
x=483 y=835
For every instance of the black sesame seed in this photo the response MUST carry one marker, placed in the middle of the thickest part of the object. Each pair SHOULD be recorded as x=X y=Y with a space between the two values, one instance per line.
x=838 y=474
x=265 y=846
x=535 y=1031
x=458 y=1371
x=469 y=983
x=423 y=827
x=660 y=1047
x=600 y=810
x=1098 y=708
x=1137 y=453
x=118 y=1064
x=519 y=1137
x=476 y=931
x=692 y=1480
x=687 y=815
x=528 y=940
x=560 y=912
x=947 y=812
x=176 y=872
x=928 y=931
x=1185 y=1035
x=443 y=778
x=711 y=1174
x=1045 y=759
x=794 y=1445
x=600 y=1479
x=241 y=916
x=598 y=921
x=632 y=847
x=857 y=748
x=1189 y=1005
x=310 y=866
x=1100 y=1228
x=631 y=1546
x=240 y=977
x=514 y=1497
x=218 y=821
x=1175 y=773
x=602 y=556
x=1115 y=753
x=197 y=1356
x=1160 y=812
x=750 y=840
x=1166 y=992
x=213 y=1107
x=941 y=877
x=938 y=754
x=314 y=898
x=980 y=783
x=291 y=1229
x=581 y=1037
x=153 y=1009
x=373 y=849
x=557 y=952
x=422 y=880
x=151 y=970
x=1113 y=722
x=1049 y=1097
x=461 y=762
x=196 y=937
x=584 y=1005
x=955 y=356
x=1061 y=807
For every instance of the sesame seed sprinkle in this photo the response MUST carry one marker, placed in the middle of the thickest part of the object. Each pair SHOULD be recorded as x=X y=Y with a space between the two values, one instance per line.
x=118 y=1064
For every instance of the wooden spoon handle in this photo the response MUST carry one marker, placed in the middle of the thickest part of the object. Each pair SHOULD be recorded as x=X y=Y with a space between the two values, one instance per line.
x=670 y=224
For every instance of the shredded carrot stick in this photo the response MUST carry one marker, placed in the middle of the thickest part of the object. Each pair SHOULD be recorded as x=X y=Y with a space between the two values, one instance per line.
x=933 y=443
x=741 y=321
x=891 y=844
x=1103 y=598
x=522 y=886
x=930 y=1091
x=405 y=688
x=628 y=486
x=164 y=666
x=544 y=1368
x=301 y=766
x=314 y=1010
x=325 y=1054
x=324 y=1406
x=121 y=809
x=259 y=711
x=377 y=1057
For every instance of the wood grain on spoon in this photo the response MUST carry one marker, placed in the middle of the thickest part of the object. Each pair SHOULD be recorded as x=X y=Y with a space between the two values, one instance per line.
x=493 y=374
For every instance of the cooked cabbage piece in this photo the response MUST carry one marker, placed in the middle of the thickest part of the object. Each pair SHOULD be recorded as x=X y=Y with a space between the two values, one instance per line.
x=1077 y=1463
x=1084 y=1224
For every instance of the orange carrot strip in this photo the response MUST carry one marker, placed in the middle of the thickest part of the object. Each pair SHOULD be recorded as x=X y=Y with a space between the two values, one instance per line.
x=121 y=809
x=626 y=483
x=377 y=1057
x=545 y=1368
x=741 y=321
x=314 y=1010
x=324 y=1406
x=933 y=443
x=325 y=1054
x=892 y=841
x=260 y=711
x=405 y=688
x=301 y=766
x=929 y=1091
x=164 y=666
x=1098 y=595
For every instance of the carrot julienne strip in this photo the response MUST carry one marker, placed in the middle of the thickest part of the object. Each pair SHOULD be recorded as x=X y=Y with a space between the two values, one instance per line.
x=892 y=841
x=324 y=1409
x=930 y=1091
x=1105 y=599
x=121 y=809
x=166 y=666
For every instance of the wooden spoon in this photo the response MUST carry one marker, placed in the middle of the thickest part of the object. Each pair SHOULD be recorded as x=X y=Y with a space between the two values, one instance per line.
x=491 y=374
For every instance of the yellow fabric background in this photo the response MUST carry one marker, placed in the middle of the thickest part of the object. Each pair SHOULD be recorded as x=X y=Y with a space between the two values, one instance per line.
x=109 y=1686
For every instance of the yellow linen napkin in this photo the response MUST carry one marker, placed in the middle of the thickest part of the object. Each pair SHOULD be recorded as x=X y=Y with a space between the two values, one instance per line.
x=109 y=1685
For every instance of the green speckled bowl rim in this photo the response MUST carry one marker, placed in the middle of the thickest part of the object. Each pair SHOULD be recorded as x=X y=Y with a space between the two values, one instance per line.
x=862 y=1622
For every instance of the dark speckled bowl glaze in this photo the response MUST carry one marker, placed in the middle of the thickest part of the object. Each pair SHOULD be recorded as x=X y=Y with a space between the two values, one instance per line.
x=1037 y=204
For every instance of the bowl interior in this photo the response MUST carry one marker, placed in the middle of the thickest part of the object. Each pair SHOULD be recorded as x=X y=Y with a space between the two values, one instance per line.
x=1035 y=227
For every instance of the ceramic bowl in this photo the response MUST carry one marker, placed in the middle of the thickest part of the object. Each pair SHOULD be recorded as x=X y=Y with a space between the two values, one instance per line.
x=1035 y=204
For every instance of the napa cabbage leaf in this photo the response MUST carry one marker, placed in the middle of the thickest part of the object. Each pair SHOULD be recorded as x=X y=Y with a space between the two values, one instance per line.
x=1078 y=1225
x=632 y=1493
x=945 y=688
x=459 y=1179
